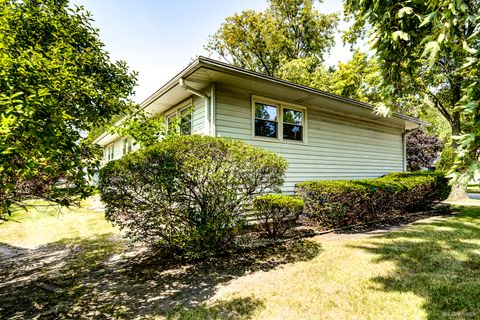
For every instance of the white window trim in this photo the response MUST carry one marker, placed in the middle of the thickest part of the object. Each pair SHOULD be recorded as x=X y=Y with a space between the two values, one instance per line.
x=176 y=111
x=280 y=106
x=126 y=145
x=109 y=153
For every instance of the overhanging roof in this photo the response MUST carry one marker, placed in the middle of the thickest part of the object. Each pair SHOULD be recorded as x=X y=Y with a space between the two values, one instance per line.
x=203 y=71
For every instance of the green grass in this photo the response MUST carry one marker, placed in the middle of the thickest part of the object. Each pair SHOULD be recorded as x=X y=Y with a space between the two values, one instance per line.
x=46 y=224
x=474 y=189
x=429 y=270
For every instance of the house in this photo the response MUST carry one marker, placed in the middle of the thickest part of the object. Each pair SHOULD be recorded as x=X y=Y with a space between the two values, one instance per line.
x=322 y=135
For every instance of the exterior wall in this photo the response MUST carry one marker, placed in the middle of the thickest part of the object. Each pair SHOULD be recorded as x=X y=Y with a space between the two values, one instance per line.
x=198 y=125
x=337 y=146
x=198 y=116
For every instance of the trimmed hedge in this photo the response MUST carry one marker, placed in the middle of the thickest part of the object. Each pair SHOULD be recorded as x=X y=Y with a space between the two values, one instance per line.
x=345 y=202
x=187 y=194
x=277 y=213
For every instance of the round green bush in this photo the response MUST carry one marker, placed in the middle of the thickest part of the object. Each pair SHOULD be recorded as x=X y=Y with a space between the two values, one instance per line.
x=188 y=194
x=277 y=213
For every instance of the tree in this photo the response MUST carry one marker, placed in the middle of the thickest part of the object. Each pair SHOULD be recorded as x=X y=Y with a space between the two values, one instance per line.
x=286 y=31
x=358 y=78
x=422 y=150
x=430 y=49
x=56 y=83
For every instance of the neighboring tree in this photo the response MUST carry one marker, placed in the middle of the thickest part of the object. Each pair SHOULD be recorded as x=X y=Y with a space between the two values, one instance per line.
x=422 y=150
x=359 y=79
x=288 y=30
x=430 y=49
x=56 y=83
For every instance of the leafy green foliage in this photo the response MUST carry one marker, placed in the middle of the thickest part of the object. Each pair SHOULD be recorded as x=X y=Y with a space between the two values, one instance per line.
x=422 y=150
x=447 y=159
x=288 y=30
x=344 y=202
x=56 y=82
x=431 y=48
x=277 y=213
x=147 y=129
x=358 y=78
x=187 y=194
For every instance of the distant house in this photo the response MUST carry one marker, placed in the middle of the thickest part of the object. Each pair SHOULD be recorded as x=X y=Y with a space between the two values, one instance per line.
x=322 y=135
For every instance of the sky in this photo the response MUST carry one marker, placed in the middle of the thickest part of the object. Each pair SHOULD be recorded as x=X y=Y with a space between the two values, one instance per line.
x=158 y=38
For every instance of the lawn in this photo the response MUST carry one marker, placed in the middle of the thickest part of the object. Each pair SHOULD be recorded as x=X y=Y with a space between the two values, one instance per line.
x=474 y=189
x=427 y=270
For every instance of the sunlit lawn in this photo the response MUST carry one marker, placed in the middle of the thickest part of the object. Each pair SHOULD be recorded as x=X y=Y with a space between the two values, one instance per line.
x=46 y=224
x=474 y=189
x=429 y=270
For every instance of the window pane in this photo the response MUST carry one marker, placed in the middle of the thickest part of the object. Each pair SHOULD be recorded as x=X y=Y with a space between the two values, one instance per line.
x=265 y=112
x=186 y=122
x=265 y=128
x=292 y=132
x=292 y=116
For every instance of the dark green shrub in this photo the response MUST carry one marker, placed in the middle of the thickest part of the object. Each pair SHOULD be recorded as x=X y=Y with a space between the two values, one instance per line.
x=345 y=202
x=187 y=194
x=277 y=213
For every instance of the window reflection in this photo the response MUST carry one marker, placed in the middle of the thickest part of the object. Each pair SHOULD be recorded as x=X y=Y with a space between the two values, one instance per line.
x=292 y=124
x=266 y=120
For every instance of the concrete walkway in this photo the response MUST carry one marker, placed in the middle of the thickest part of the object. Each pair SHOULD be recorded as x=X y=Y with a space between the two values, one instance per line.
x=475 y=196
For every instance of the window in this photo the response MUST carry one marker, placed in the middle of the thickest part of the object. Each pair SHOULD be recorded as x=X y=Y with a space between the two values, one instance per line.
x=279 y=121
x=266 y=124
x=292 y=124
x=127 y=146
x=185 y=122
x=109 y=152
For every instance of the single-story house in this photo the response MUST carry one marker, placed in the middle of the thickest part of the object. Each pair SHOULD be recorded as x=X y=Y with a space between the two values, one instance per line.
x=322 y=135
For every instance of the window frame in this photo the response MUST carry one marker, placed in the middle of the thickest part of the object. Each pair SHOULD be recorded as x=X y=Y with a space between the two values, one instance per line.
x=277 y=121
x=177 y=110
x=127 y=146
x=110 y=152
x=281 y=105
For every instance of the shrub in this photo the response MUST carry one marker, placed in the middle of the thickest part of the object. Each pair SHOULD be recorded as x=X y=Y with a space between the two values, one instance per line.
x=345 y=202
x=277 y=213
x=422 y=150
x=187 y=194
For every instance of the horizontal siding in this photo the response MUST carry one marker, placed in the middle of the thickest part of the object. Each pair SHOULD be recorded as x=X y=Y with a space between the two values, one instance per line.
x=198 y=126
x=198 y=116
x=338 y=146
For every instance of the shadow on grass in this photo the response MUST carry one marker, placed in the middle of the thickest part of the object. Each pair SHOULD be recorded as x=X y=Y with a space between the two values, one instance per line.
x=437 y=260
x=102 y=278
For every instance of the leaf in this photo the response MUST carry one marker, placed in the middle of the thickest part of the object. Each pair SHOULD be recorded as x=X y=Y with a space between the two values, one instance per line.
x=470 y=107
x=441 y=37
x=400 y=34
x=429 y=18
x=431 y=49
x=403 y=11
x=467 y=48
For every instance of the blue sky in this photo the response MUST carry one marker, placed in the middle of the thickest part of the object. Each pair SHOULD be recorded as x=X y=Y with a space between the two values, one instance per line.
x=159 y=38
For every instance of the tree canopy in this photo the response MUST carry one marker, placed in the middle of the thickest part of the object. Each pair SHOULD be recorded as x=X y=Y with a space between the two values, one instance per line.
x=286 y=31
x=56 y=83
x=430 y=48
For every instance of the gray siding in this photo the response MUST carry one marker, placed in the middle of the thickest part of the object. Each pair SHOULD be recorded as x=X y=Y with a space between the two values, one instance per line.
x=198 y=116
x=198 y=126
x=338 y=147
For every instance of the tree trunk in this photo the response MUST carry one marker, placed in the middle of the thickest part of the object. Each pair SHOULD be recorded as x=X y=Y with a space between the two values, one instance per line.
x=459 y=192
